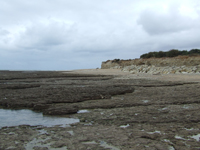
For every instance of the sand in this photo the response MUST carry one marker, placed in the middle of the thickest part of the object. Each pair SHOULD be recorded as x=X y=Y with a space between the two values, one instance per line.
x=126 y=75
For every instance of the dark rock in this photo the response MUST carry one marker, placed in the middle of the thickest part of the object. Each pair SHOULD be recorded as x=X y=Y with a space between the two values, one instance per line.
x=60 y=110
x=40 y=106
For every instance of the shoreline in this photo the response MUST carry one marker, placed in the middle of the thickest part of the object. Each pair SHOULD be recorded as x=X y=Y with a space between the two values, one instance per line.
x=123 y=74
x=128 y=75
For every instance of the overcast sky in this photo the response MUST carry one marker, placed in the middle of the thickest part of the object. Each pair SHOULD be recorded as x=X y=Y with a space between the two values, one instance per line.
x=80 y=34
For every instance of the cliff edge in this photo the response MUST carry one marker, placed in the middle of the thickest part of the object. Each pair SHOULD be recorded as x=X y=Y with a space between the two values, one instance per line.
x=166 y=65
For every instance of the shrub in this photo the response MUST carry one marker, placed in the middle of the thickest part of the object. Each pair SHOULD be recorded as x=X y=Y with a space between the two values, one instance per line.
x=171 y=53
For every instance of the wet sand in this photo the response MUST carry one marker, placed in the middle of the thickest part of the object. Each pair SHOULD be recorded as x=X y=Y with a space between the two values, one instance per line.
x=124 y=111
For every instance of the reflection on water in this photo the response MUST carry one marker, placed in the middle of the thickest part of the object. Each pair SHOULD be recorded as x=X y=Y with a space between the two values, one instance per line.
x=28 y=117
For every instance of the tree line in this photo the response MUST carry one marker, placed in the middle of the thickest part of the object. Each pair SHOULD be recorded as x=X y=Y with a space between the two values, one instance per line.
x=171 y=53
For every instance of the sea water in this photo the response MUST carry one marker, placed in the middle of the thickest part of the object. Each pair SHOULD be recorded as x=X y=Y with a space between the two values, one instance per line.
x=29 y=117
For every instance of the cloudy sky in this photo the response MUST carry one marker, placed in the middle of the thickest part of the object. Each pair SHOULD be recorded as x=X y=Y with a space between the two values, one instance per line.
x=80 y=34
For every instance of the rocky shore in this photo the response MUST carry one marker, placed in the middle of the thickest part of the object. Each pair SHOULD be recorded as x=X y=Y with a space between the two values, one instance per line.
x=176 y=65
x=162 y=70
x=119 y=110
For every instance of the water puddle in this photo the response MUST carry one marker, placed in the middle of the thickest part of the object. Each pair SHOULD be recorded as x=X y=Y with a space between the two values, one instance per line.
x=41 y=143
x=154 y=132
x=90 y=142
x=145 y=101
x=124 y=126
x=107 y=146
x=102 y=144
x=190 y=129
x=196 y=137
x=71 y=132
x=180 y=138
x=168 y=141
x=187 y=106
x=165 y=108
x=28 y=117
x=83 y=111
x=171 y=148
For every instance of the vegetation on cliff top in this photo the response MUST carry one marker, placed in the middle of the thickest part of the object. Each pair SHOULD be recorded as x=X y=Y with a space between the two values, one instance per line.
x=171 y=53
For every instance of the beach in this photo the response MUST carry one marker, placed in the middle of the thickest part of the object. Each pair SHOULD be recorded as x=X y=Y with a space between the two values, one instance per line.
x=116 y=110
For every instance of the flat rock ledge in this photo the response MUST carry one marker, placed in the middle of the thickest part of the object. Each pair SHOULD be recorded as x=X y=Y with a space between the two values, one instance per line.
x=60 y=110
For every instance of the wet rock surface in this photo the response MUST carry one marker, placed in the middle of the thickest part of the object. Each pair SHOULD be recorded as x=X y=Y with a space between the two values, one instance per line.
x=122 y=113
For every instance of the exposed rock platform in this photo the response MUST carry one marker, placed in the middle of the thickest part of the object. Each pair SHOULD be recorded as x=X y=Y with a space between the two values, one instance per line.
x=126 y=111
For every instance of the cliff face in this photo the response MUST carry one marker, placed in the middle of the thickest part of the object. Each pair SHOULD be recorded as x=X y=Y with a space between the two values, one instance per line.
x=180 y=64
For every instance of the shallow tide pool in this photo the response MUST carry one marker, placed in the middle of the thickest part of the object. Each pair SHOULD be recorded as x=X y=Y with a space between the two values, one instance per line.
x=29 y=117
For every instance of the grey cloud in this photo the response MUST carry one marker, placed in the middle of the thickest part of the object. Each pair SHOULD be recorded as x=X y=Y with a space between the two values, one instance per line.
x=3 y=32
x=180 y=40
x=4 y=37
x=25 y=11
x=155 y=22
x=45 y=35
